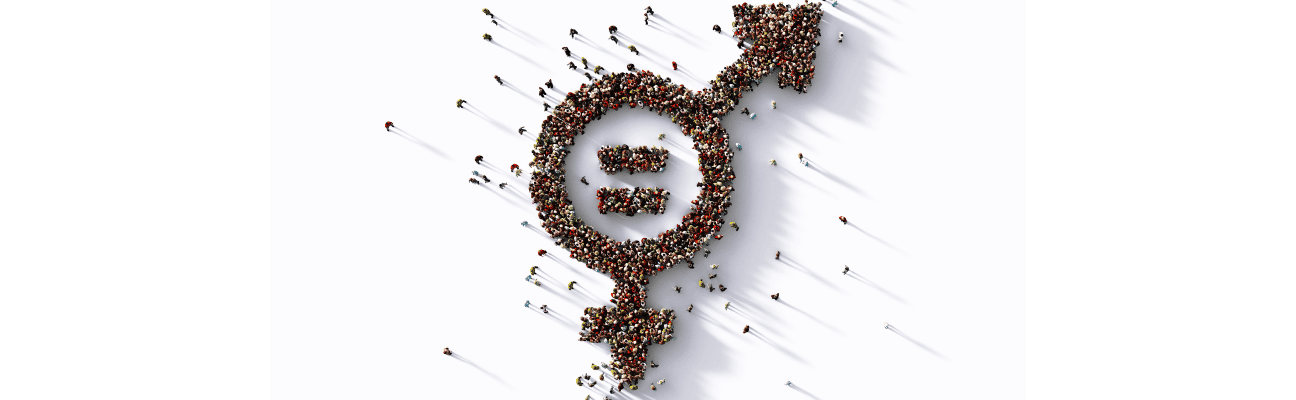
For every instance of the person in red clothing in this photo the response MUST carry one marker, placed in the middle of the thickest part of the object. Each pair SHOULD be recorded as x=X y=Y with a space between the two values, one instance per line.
x=389 y=125
x=541 y=252
x=674 y=65
x=843 y=220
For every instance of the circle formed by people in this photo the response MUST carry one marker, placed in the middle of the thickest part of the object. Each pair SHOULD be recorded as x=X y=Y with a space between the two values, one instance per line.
x=773 y=36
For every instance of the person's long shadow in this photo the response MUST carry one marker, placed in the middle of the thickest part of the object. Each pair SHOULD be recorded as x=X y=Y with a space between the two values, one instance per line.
x=777 y=346
x=878 y=288
x=915 y=342
x=833 y=177
x=879 y=240
x=492 y=375
x=401 y=132
x=807 y=271
x=803 y=391
x=472 y=109
x=518 y=55
x=787 y=304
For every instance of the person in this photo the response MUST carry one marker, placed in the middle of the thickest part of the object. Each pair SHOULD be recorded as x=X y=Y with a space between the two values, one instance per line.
x=712 y=276
x=661 y=136
x=503 y=184
x=474 y=181
x=567 y=51
x=544 y=307
x=573 y=33
x=744 y=111
x=774 y=296
x=584 y=181
x=653 y=364
x=649 y=10
x=840 y=35
x=630 y=67
x=495 y=22
x=722 y=288
x=634 y=50
x=715 y=266
x=547 y=106
x=612 y=29
x=484 y=178
x=534 y=268
x=690 y=309
x=711 y=288
x=701 y=284
x=773 y=104
x=844 y=271
x=734 y=225
x=497 y=79
x=674 y=66
x=447 y=351
x=653 y=387
x=746 y=328
x=772 y=162
x=776 y=254
x=726 y=306
x=738 y=145
x=843 y=220
x=524 y=223
x=572 y=285
x=588 y=76
x=571 y=65
x=716 y=28
x=645 y=18
x=585 y=62
x=514 y=166
x=478 y=159
x=520 y=131
x=789 y=383
x=541 y=253
x=487 y=12
x=542 y=93
x=459 y=103
x=677 y=289
x=614 y=39
x=528 y=304
x=549 y=83
x=800 y=157
x=389 y=125
x=487 y=37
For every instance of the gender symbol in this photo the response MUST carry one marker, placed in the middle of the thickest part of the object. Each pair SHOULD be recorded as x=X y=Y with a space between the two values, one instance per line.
x=774 y=35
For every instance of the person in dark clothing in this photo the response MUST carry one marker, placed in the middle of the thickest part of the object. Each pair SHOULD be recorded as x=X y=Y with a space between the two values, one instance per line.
x=716 y=28
x=573 y=33
x=520 y=131
x=478 y=159
x=567 y=51
x=549 y=84
x=584 y=181
x=746 y=328
x=497 y=79
x=542 y=92
x=774 y=296
x=612 y=29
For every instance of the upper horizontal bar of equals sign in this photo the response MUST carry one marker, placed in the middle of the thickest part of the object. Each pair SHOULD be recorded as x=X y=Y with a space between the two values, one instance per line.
x=613 y=159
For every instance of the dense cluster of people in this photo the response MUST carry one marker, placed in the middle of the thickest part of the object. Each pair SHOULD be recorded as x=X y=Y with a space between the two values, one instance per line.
x=783 y=37
x=625 y=201
x=632 y=333
x=613 y=159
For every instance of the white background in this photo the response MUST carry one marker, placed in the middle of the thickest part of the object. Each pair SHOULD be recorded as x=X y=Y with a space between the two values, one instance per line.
x=1051 y=199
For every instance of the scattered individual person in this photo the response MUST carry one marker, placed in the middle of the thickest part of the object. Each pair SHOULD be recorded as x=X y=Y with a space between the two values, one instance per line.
x=572 y=285
x=712 y=276
x=774 y=296
x=840 y=36
x=653 y=364
x=744 y=111
x=549 y=83
x=447 y=351
x=746 y=328
x=459 y=103
x=674 y=66
x=690 y=308
x=614 y=39
x=649 y=10
x=495 y=22
x=544 y=307
x=542 y=93
x=844 y=271
x=633 y=49
x=534 y=268
x=612 y=29
x=677 y=289
x=734 y=225
x=773 y=104
x=528 y=304
x=520 y=131
x=474 y=181
x=726 y=306
x=843 y=220
x=584 y=181
x=630 y=67
x=701 y=284
x=711 y=288
x=716 y=28
x=547 y=106
x=706 y=253
x=488 y=12
x=484 y=178
x=515 y=166
x=776 y=254
x=585 y=62
x=566 y=51
x=487 y=37
x=588 y=76
x=772 y=162
x=571 y=65
x=722 y=288
x=738 y=145
x=800 y=157
x=541 y=253
x=573 y=33
x=478 y=159
x=497 y=79
x=503 y=184
x=389 y=125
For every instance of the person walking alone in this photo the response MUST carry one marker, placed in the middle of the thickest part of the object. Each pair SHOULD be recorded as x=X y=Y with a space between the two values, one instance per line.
x=389 y=125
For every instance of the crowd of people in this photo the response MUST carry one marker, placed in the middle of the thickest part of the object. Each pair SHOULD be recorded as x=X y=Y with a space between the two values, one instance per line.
x=624 y=201
x=613 y=159
x=782 y=37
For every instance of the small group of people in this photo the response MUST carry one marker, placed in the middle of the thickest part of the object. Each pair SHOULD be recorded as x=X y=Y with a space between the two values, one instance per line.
x=613 y=159
x=624 y=201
